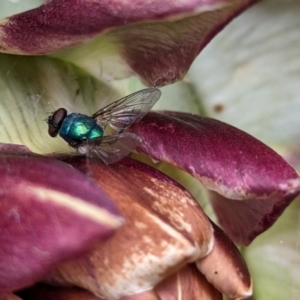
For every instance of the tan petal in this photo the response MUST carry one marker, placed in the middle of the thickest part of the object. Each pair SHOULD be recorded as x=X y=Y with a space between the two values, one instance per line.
x=187 y=283
x=224 y=267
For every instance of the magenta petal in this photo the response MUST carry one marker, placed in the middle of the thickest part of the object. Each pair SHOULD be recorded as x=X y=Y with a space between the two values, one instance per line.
x=49 y=213
x=226 y=160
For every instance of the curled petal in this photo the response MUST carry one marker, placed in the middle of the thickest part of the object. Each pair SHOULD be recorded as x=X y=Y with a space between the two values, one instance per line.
x=224 y=267
x=158 y=53
x=45 y=206
x=165 y=228
x=226 y=160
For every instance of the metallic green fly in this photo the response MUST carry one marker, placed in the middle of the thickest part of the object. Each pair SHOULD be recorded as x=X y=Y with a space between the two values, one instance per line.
x=87 y=134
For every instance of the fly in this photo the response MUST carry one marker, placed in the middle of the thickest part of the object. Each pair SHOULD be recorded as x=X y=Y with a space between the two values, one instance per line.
x=87 y=133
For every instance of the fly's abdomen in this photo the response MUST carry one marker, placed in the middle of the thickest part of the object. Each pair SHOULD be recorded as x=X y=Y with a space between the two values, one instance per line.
x=78 y=127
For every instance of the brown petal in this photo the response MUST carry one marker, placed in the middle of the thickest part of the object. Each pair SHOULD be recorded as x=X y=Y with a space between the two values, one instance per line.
x=165 y=228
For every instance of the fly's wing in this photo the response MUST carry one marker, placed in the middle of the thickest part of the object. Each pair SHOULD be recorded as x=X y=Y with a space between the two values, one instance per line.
x=111 y=148
x=120 y=114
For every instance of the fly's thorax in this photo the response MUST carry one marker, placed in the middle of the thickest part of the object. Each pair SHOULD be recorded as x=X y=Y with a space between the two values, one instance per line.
x=77 y=127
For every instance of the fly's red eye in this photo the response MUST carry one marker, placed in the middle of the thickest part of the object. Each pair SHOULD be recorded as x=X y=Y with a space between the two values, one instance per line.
x=55 y=121
x=58 y=116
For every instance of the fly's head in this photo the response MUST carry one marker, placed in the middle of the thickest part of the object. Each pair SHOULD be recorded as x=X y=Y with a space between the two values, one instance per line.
x=55 y=121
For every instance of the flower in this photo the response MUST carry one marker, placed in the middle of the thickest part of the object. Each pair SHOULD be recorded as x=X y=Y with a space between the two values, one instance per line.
x=165 y=229
x=249 y=184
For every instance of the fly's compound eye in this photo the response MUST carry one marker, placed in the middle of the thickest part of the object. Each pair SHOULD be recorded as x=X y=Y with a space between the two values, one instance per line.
x=55 y=120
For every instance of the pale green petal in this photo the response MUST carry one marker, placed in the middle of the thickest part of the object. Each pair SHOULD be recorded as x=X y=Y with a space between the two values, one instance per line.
x=33 y=87
x=179 y=96
x=274 y=258
x=100 y=57
x=12 y=7
x=249 y=74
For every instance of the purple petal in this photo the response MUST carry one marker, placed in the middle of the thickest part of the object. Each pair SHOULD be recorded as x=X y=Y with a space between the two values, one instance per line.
x=159 y=53
x=45 y=208
x=226 y=160
x=58 y=24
